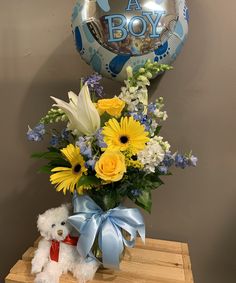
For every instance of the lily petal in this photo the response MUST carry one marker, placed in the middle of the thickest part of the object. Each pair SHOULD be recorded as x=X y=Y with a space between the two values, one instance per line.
x=69 y=111
x=88 y=112
x=73 y=98
x=81 y=112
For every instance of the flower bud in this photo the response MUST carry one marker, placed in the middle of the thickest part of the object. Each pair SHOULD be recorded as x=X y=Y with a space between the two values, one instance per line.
x=129 y=71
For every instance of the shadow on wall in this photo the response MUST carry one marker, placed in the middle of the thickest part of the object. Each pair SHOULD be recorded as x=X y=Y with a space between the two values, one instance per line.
x=222 y=253
x=57 y=75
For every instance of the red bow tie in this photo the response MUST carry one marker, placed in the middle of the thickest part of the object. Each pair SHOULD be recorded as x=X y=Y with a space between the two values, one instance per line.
x=55 y=246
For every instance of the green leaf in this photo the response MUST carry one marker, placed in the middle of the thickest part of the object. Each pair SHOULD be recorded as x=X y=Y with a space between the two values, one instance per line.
x=88 y=181
x=55 y=158
x=37 y=154
x=157 y=131
x=53 y=149
x=153 y=181
x=47 y=155
x=52 y=155
x=145 y=201
x=59 y=163
x=104 y=118
x=109 y=201
x=45 y=169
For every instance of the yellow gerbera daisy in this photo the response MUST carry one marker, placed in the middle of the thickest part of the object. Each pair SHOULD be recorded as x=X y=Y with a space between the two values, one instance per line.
x=127 y=135
x=66 y=178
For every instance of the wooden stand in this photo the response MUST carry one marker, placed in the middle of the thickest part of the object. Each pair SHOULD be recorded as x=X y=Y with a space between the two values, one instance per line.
x=155 y=262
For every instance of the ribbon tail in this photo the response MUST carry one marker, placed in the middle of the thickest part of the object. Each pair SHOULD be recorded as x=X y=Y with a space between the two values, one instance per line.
x=87 y=232
x=130 y=220
x=111 y=244
x=141 y=231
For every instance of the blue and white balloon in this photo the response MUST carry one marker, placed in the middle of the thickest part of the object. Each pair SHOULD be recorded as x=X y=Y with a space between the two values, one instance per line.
x=112 y=34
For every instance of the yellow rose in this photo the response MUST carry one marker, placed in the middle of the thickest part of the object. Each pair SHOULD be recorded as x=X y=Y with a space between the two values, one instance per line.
x=111 y=166
x=113 y=106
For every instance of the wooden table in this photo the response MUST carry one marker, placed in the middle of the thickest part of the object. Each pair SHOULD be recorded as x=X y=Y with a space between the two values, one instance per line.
x=155 y=262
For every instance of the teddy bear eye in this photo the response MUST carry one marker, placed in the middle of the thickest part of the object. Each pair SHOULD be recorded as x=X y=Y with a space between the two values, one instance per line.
x=63 y=223
x=53 y=225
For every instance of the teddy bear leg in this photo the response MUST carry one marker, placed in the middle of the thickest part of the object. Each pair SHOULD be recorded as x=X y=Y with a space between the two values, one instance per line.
x=85 y=271
x=50 y=274
x=42 y=277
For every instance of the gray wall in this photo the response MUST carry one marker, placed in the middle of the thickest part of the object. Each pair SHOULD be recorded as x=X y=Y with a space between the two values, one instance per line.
x=38 y=59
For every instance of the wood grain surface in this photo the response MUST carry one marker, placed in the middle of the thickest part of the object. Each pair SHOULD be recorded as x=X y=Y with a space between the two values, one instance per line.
x=157 y=261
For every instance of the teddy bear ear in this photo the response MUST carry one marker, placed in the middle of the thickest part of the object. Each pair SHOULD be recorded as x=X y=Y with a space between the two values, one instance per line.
x=41 y=220
x=68 y=207
x=42 y=226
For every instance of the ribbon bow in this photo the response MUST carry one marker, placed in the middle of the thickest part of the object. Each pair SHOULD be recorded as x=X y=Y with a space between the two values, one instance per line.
x=55 y=246
x=90 y=220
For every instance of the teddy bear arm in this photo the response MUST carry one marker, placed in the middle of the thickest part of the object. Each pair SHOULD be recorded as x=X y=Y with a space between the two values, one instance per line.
x=41 y=256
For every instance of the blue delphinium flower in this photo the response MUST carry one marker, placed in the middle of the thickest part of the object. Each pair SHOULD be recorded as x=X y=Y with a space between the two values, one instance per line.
x=34 y=136
x=178 y=160
x=100 y=139
x=87 y=152
x=152 y=107
x=37 y=133
x=54 y=140
x=168 y=160
x=85 y=147
x=40 y=128
x=136 y=193
x=65 y=134
x=90 y=164
x=93 y=82
x=181 y=161
x=143 y=119
x=163 y=169
x=193 y=160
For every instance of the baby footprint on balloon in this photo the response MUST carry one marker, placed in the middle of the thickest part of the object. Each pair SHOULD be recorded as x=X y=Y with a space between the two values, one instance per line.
x=78 y=41
x=162 y=51
x=186 y=13
x=116 y=64
x=77 y=9
x=78 y=38
x=104 y=5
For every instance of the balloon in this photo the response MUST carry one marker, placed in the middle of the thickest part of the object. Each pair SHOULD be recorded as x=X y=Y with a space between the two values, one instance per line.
x=112 y=34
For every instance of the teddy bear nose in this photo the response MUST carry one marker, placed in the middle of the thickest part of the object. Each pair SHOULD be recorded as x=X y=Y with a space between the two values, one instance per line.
x=59 y=232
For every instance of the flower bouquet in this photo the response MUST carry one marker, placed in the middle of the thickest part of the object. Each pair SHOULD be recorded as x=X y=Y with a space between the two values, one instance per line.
x=109 y=150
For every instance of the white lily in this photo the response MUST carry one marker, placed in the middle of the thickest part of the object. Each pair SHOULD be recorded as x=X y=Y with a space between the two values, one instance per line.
x=81 y=112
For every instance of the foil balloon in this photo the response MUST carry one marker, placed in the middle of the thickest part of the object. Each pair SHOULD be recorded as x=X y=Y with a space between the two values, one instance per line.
x=112 y=34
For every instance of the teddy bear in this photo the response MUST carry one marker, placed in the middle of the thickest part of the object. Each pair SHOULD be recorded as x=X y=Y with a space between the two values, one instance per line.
x=57 y=252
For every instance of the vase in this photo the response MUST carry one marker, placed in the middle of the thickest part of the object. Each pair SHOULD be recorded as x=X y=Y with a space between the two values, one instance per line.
x=98 y=253
x=106 y=202
x=106 y=227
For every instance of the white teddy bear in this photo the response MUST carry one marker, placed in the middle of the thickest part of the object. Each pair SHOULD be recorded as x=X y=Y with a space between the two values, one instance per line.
x=57 y=252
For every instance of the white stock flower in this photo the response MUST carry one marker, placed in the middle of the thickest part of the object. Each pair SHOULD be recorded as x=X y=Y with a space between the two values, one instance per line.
x=161 y=114
x=129 y=71
x=152 y=155
x=142 y=95
x=132 y=96
x=143 y=81
x=164 y=144
x=81 y=112
x=165 y=116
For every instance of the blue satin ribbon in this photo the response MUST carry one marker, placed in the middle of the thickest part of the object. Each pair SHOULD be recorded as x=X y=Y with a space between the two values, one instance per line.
x=90 y=220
